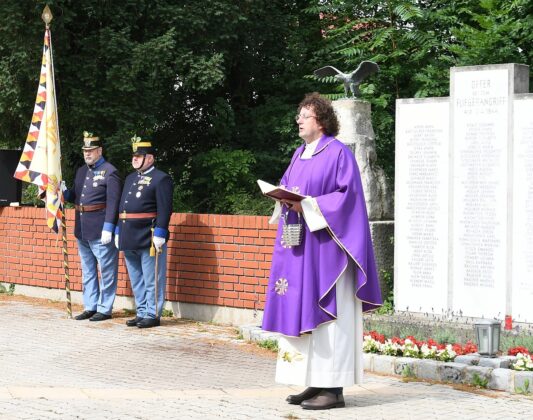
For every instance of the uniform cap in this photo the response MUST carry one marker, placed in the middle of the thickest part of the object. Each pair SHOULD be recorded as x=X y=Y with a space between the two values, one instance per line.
x=141 y=147
x=90 y=142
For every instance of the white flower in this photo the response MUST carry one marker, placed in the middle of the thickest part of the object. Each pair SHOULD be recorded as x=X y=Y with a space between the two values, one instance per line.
x=370 y=345
x=447 y=354
x=410 y=349
x=390 y=348
x=523 y=362
x=428 y=352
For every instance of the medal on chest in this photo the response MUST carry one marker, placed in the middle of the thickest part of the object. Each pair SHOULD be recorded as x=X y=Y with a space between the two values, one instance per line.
x=98 y=176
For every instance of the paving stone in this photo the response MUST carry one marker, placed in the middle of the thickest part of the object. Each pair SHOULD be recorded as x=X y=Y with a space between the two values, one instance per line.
x=60 y=368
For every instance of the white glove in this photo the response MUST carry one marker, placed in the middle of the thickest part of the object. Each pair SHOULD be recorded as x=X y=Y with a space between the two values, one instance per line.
x=63 y=186
x=106 y=237
x=116 y=241
x=158 y=242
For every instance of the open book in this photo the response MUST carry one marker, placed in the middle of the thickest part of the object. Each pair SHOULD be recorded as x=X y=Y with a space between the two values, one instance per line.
x=278 y=193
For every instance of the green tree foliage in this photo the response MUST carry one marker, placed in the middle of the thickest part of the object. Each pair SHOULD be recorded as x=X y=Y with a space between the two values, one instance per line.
x=214 y=84
x=415 y=42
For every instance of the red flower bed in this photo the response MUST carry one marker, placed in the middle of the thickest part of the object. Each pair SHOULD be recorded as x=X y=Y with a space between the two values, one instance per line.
x=458 y=348
x=513 y=351
x=376 y=336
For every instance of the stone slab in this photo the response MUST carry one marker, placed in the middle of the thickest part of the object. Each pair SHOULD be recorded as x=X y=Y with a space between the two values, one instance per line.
x=368 y=362
x=428 y=369
x=522 y=259
x=480 y=100
x=467 y=359
x=452 y=372
x=421 y=205
x=474 y=374
x=494 y=363
x=501 y=379
x=523 y=383
x=405 y=366
x=384 y=364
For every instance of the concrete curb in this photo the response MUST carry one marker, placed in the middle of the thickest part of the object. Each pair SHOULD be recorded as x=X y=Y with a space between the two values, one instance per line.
x=470 y=370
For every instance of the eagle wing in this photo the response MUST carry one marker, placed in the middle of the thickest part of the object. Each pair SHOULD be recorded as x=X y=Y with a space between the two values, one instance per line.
x=327 y=71
x=363 y=70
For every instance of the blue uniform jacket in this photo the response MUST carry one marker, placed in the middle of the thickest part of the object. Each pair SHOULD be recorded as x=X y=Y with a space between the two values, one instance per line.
x=149 y=192
x=96 y=185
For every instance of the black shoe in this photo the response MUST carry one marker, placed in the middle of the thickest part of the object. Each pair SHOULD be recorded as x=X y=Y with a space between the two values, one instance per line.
x=133 y=322
x=302 y=396
x=324 y=401
x=85 y=315
x=98 y=316
x=148 y=323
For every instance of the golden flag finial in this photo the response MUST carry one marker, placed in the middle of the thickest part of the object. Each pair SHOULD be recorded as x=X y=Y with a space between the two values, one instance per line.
x=47 y=15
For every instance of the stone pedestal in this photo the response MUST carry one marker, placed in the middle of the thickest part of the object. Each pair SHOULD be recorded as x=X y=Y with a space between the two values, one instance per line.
x=357 y=133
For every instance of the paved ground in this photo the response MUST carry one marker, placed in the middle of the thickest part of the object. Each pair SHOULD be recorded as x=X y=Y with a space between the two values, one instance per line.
x=52 y=367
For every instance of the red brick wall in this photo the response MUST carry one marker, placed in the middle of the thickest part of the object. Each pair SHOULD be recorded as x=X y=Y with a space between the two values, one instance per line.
x=212 y=259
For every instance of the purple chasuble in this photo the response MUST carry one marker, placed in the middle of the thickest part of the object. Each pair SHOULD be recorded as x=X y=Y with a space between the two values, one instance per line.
x=301 y=292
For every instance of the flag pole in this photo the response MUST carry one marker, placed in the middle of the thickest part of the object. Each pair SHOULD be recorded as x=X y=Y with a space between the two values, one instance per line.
x=65 y=264
x=47 y=18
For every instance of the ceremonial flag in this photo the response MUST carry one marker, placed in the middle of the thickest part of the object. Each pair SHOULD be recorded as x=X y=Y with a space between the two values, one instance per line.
x=40 y=163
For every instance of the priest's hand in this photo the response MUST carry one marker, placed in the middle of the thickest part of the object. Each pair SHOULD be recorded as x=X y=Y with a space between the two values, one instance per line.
x=293 y=205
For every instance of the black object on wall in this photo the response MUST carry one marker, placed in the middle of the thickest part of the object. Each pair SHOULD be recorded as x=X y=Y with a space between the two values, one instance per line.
x=10 y=188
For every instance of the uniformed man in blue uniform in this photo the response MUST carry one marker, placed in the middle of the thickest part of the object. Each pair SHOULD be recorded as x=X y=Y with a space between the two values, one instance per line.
x=96 y=193
x=142 y=233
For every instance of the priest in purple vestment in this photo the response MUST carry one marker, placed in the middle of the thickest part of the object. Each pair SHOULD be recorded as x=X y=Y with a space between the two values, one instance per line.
x=318 y=289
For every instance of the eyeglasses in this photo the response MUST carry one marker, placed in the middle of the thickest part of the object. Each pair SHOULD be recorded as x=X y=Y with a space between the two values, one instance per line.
x=305 y=117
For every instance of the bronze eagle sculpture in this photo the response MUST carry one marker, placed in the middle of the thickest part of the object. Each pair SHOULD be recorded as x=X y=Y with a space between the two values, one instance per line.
x=351 y=80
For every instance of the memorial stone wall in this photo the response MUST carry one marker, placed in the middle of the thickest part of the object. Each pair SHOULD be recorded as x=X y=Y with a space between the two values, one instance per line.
x=464 y=197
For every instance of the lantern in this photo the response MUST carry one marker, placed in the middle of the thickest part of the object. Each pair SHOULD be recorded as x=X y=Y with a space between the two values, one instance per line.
x=488 y=337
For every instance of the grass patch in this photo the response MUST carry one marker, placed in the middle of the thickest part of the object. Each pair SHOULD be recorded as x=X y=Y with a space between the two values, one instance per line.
x=10 y=291
x=388 y=303
x=269 y=344
x=167 y=313
x=478 y=381
x=238 y=333
x=524 y=390
x=408 y=374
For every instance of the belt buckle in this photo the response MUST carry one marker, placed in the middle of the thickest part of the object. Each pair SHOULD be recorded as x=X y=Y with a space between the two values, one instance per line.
x=81 y=208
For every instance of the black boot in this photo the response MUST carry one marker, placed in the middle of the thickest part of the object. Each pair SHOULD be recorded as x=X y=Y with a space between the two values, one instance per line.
x=133 y=322
x=84 y=315
x=326 y=399
x=148 y=323
x=298 y=398
x=98 y=316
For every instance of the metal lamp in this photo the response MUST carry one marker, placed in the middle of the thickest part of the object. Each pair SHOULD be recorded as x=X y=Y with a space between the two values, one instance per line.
x=488 y=337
